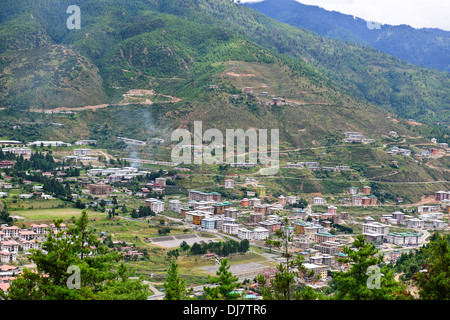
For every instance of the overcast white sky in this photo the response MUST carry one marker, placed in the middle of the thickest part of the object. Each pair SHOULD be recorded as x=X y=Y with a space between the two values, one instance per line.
x=416 y=13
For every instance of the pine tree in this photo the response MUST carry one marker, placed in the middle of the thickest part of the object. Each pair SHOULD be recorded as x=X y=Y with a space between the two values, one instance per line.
x=227 y=283
x=175 y=287
x=66 y=254
x=283 y=285
x=368 y=278
x=434 y=281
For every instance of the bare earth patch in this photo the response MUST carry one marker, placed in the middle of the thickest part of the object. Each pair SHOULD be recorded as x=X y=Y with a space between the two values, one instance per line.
x=233 y=74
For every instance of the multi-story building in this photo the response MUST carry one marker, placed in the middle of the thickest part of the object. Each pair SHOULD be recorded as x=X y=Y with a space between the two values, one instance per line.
x=254 y=202
x=27 y=235
x=329 y=247
x=261 y=208
x=11 y=232
x=18 y=151
x=311 y=230
x=427 y=209
x=375 y=232
x=282 y=200
x=404 y=238
x=40 y=229
x=299 y=227
x=219 y=208
x=399 y=216
x=271 y=225
x=229 y=184
x=356 y=199
x=175 y=205
x=256 y=217
x=366 y=190
x=291 y=199
x=99 y=189
x=375 y=227
x=208 y=223
x=353 y=190
x=323 y=236
x=318 y=201
x=155 y=205
x=200 y=196
x=442 y=195
x=7 y=257
x=415 y=223
x=230 y=228
x=318 y=270
x=244 y=203
x=231 y=212
x=274 y=208
x=10 y=246
x=82 y=152
x=332 y=209
x=244 y=233
x=161 y=181
x=260 y=233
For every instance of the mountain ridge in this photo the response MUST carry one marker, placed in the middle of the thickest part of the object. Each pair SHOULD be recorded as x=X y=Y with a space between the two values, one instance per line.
x=427 y=47
x=179 y=47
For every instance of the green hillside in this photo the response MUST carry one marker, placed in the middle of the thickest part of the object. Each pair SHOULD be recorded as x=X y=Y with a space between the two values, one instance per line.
x=180 y=47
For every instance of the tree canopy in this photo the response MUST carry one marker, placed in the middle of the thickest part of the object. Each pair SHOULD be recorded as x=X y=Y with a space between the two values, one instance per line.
x=73 y=264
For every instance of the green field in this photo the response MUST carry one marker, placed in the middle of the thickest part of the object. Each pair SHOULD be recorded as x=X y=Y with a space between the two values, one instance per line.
x=50 y=214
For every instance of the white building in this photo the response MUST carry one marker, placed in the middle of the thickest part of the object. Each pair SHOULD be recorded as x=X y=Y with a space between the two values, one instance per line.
x=230 y=228
x=260 y=233
x=318 y=201
x=415 y=223
x=175 y=205
x=438 y=224
x=49 y=143
x=82 y=152
x=244 y=233
x=291 y=199
x=85 y=142
x=155 y=205
x=18 y=151
x=208 y=223
x=375 y=228
x=426 y=209
x=6 y=257
x=404 y=238
x=229 y=184
x=86 y=159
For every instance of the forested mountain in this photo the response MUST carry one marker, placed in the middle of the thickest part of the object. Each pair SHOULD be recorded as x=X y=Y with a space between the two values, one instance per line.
x=426 y=47
x=179 y=47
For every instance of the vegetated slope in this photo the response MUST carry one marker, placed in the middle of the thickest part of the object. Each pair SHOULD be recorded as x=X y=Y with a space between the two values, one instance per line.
x=410 y=91
x=172 y=47
x=423 y=47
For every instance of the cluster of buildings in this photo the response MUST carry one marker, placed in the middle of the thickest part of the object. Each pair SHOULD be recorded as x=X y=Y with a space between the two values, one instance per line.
x=82 y=155
x=18 y=151
x=14 y=238
x=361 y=198
x=442 y=195
x=357 y=137
x=378 y=232
x=131 y=141
x=314 y=166
x=49 y=144
x=399 y=151
x=117 y=174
